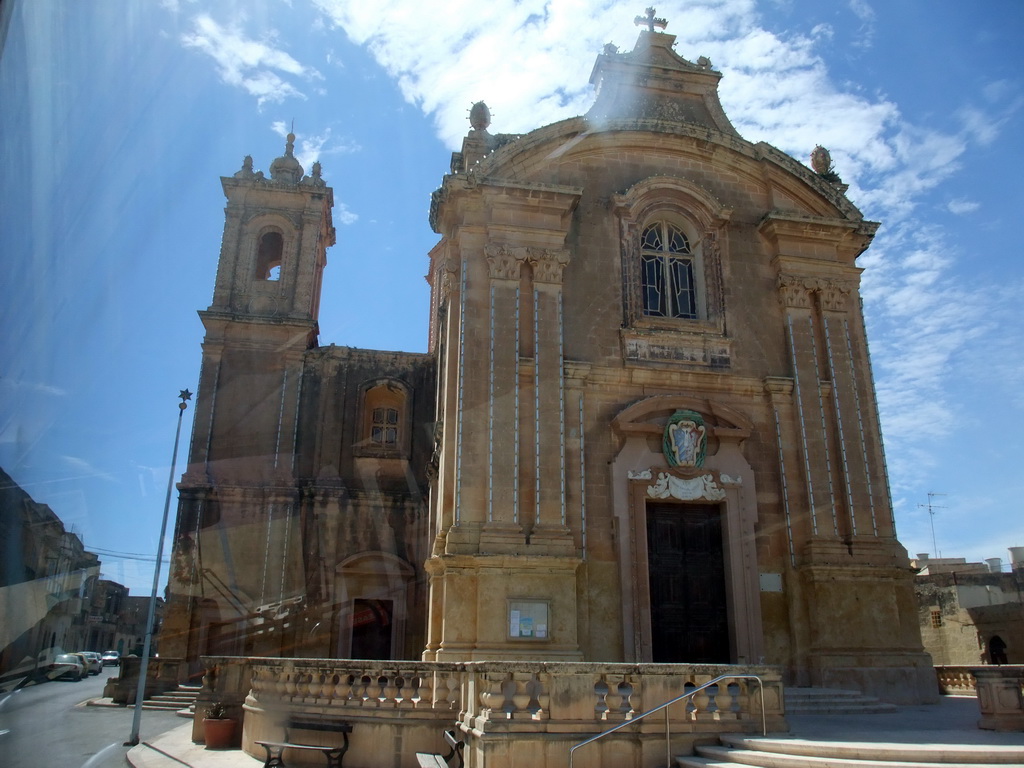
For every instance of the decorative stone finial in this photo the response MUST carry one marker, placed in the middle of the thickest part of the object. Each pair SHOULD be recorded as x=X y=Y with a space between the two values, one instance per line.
x=479 y=116
x=821 y=162
x=286 y=167
x=650 y=21
x=610 y=49
x=246 y=171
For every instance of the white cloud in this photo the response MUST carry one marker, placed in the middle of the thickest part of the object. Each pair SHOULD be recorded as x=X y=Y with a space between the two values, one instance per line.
x=961 y=206
x=257 y=67
x=343 y=215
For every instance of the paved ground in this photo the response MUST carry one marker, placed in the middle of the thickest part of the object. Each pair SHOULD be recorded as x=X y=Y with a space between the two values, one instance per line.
x=952 y=721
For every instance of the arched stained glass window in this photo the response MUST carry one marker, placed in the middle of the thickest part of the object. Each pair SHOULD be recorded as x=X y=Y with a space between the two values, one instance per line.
x=667 y=272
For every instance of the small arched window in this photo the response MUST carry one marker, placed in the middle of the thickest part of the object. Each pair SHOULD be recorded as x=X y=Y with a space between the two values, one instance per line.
x=384 y=418
x=268 y=257
x=667 y=272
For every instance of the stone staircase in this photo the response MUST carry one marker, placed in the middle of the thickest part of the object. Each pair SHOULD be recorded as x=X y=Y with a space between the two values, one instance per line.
x=736 y=751
x=831 y=701
x=182 y=698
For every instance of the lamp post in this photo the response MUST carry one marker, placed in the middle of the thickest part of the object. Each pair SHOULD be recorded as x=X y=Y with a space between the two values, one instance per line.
x=140 y=692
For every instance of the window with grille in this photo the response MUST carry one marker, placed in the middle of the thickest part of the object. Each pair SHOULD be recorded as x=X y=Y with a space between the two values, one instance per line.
x=667 y=273
x=936 y=619
x=384 y=429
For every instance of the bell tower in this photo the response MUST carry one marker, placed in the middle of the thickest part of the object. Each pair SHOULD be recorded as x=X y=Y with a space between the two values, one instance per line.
x=266 y=301
x=276 y=235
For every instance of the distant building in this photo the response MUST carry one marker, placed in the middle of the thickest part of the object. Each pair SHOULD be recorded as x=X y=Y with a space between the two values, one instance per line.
x=970 y=611
x=104 y=619
x=644 y=429
x=47 y=580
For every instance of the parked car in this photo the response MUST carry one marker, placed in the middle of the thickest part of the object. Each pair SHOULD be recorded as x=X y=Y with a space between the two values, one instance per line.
x=111 y=658
x=95 y=663
x=66 y=666
x=85 y=662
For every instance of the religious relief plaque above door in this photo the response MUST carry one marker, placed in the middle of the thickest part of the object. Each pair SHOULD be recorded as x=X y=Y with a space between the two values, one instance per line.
x=686 y=572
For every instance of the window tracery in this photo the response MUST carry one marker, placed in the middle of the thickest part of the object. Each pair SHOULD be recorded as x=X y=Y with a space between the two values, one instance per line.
x=667 y=272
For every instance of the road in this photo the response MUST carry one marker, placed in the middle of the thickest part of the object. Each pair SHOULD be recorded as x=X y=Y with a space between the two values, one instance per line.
x=49 y=726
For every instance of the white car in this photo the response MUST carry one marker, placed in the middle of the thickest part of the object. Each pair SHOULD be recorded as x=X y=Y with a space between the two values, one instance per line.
x=65 y=666
x=95 y=663
x=111 y=658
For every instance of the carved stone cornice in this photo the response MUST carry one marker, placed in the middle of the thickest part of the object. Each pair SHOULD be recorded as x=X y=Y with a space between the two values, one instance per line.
x=548 y=264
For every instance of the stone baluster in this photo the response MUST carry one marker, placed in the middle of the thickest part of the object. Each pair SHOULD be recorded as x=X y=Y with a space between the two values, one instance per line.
x=725 y=701
x=290 y=686
x=315 y=686
x=454 y=696
x=371 y=690
x=613 y=698
x=343 y=689
x=424 y=691
x=492 y=695
x=701 y=704
x=406 y=691
x=389 y=689
x=520 y=688
x=601 y=698
x=330 y=679
x=542 y=697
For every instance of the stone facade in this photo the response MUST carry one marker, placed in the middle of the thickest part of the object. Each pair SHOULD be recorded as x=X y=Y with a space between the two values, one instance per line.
x=644 y=430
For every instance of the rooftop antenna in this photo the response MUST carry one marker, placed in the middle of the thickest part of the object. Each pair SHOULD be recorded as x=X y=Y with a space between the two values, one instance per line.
x=931 y=516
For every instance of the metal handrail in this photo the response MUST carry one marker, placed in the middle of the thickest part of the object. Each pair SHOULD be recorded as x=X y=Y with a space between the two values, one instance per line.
x=666 y=705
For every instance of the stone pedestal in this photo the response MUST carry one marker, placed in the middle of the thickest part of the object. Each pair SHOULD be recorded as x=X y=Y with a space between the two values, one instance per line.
x=1000 y=697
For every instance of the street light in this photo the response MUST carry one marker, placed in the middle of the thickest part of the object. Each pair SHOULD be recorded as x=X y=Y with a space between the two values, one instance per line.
x=140 y=692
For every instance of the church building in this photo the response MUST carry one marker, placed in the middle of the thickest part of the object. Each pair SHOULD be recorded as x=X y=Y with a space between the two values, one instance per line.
x=644 y=429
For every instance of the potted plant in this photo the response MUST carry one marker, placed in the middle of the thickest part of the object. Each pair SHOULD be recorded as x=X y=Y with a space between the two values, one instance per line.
x=218 y=728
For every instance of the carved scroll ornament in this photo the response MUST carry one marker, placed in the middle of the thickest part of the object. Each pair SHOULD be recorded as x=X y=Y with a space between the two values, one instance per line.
x=685 y=489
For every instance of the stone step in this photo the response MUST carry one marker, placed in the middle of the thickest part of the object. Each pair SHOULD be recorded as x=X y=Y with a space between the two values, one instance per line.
x=833 y=701
x=763 y=752
x=841 y=708
x=173 y=696
x=723 y=757
x=901 y=752
x=181 y=698
x=822 y=693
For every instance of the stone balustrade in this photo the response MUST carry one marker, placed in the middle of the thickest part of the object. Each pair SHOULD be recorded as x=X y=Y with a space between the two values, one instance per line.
x=1000 y=697
x=397 y=708
x=955 y=680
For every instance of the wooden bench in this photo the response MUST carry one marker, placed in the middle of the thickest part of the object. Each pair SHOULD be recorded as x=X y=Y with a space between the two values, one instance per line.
x=333 y=755
x=430 y=760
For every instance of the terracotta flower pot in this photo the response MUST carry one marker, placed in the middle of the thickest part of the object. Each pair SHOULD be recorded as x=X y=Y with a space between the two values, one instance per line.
x=219 y=734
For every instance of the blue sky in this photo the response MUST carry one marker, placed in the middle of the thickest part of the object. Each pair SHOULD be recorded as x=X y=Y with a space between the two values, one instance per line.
x=118 y=118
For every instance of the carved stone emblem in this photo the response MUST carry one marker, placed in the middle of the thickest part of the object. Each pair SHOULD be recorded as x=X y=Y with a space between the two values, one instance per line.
x=685 y=442
x=685 y=489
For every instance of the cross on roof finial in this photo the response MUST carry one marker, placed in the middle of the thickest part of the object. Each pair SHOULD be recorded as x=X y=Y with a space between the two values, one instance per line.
x=650 y=21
